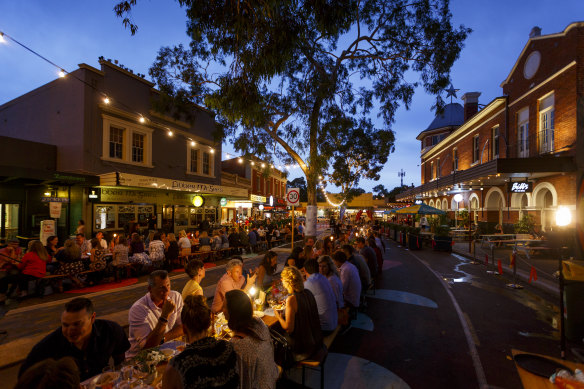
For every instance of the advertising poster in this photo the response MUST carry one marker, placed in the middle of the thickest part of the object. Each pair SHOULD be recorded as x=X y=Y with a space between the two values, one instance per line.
x=55 y=209
x=47 y=229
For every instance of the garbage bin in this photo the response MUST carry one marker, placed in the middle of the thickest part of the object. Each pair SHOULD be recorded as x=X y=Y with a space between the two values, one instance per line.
x=573 y=300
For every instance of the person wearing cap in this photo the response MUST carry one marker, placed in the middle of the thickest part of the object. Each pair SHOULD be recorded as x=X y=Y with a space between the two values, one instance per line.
x=155 y=318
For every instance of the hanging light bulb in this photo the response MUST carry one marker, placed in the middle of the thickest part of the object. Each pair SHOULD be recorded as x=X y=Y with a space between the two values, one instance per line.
x=252 y=163
x=2 y=40
x=170 y=133
x=263 y=165
x=142 y=120
x=106 y=100
x=61 y=73
x=240 y=160
x=212 y=151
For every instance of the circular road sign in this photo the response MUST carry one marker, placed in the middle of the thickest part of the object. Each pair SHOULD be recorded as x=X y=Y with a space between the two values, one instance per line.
x=293 y=196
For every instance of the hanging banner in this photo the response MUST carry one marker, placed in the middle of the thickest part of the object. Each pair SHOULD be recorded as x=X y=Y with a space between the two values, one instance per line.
x=47 y=229
x=55 y=209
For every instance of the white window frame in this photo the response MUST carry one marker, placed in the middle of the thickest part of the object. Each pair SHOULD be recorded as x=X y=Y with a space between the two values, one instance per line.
x=475 y=149
x=523 y=133
x=129 y=130
x=202 y=149
x=496 y=136
x=547 y=125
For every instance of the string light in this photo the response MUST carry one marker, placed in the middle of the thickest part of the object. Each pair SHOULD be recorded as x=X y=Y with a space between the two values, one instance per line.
x=263 y=165
x=327 y=198
x=61 y=73
x=106 y=100
x=252 y=163
x=142 y=120
x=212 y=151
x=2 y=40
x=170 y=133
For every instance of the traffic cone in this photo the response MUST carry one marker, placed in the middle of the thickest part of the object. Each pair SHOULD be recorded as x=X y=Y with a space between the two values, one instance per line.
x=512 y=260
x=500 y=266
x=532 y=275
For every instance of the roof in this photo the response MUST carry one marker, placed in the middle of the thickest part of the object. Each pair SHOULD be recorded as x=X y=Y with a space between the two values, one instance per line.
x=453 y=115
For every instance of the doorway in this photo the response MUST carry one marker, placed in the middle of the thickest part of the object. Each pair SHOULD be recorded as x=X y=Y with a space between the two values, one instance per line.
x=9 y=217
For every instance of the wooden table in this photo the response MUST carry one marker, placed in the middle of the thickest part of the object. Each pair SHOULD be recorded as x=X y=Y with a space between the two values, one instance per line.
x=532 y=381
x=491 y=240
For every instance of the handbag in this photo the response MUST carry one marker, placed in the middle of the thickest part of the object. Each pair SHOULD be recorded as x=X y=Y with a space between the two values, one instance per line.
x=283 y=354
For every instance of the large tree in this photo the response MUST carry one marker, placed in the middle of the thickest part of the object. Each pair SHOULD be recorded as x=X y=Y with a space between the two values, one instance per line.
x=301 y=79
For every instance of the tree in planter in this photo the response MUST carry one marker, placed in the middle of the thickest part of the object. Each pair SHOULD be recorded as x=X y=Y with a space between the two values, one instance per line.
x=299 y=80
x=463 y=218
x=525 y=225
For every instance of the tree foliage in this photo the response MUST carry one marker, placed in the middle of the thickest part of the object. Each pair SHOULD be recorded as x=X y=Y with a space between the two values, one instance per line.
x=301 y=80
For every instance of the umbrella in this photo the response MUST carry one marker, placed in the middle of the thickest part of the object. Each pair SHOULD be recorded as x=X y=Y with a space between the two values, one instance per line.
x=419 y=209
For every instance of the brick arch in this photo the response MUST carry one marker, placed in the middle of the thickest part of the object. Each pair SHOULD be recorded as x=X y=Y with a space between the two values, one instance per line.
x=431 y=203
x=516 y=200
x=444 y=204
x=489 y=199
x=471 y=197
x=540 y=189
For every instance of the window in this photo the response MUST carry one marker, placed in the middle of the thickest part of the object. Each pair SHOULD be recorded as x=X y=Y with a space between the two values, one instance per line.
x=200 y=160
x=206 y=163
x=475 y=149
x=432 y=170
x=496 y=142
x=523 y=133
x=137 y=148
x=258 y=177
x=116 y=142
x=455 y=159
x=194 y=161
x=438 y=168
x=546 y=124
x=126 y=142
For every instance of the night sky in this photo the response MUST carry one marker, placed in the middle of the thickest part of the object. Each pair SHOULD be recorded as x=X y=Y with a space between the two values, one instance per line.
x=72 y=32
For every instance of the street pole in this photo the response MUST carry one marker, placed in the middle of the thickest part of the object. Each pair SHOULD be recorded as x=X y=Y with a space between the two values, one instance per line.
x=292 y=240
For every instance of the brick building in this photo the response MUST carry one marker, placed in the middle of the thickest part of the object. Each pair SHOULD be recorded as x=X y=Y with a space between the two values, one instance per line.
x=518 y=154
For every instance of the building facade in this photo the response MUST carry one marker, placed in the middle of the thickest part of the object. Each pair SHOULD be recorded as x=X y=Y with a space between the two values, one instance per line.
x=107 y=123
x=518 y=154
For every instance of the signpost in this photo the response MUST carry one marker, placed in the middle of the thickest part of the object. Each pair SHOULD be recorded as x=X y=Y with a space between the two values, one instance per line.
x=292 y=199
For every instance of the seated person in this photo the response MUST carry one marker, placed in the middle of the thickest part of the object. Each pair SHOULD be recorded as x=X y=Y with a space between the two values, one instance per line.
x=323 y=294
x=32 y=267
x=195 y=269
x=252 y=343
x=89 y=341
x=349 y=279
x=301 y=321
x=48 y=374
x=206 y=362
x=327 y=268
x=359 y=262
x=10 y=256
x=232 y=279
x=155 y=318
x=84 y=245
x=267 y=267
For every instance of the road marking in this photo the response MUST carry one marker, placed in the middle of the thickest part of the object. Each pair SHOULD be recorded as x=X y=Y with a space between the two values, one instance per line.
x=472 y=330
x=399 y=296
x=363 y=322
x=476 y=361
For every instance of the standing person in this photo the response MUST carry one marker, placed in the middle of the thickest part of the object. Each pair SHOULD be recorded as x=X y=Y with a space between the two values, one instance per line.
x=152 y=223
x=267 y=267
x=206 y=362
x=301 y=321
x=195 y=269
x=90 y=341
x=32 y=267
x=232 y=279
x=252 y=343
x=350 y=280
x=324 y=296
x=155 y=317
x=80 y=227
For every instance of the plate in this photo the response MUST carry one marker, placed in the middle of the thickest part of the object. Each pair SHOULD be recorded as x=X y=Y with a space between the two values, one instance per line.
x=258 y=313
x=541 y=366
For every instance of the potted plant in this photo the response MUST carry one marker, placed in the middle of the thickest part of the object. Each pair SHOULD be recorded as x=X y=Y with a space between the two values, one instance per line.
x=525 y=225
x=442 y=239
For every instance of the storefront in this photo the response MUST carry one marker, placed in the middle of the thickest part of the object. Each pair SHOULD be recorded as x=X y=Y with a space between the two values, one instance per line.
x=178 y=205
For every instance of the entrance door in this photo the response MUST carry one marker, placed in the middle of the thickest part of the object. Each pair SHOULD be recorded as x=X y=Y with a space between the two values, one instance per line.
x=168 y=219
x=8 y=221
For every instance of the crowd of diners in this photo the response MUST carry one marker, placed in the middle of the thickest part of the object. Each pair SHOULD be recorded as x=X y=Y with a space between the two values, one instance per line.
x=324 y=281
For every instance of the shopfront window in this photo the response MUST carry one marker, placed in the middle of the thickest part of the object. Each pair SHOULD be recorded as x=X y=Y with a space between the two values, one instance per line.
x=105 y=217
x=181 y=216
x=126 y=213
x=144 y=213
x=196 y=216
x=117 y=216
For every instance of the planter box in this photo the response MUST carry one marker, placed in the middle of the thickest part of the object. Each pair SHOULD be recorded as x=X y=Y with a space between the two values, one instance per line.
x=443 y=243
x=414 y=242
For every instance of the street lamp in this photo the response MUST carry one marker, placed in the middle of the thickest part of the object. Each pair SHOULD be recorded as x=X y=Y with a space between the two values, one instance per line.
x=563 y=218
x=458 y=199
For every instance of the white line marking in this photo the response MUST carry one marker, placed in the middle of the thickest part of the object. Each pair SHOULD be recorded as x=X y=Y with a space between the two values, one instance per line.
x=476 y=361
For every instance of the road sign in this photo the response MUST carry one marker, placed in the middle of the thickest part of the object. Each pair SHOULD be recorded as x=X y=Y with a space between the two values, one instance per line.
x=293 y=197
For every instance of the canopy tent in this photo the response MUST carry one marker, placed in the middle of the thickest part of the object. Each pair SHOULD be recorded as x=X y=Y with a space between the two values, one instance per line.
x=419 y=209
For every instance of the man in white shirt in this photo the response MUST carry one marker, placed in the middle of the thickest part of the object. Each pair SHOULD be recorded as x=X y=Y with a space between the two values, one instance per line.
x=155 y=318
x=324 y=296
x=349 y=278
x=102 y=241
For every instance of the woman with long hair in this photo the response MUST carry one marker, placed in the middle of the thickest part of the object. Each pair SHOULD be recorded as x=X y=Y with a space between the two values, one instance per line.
x=267 y=267
x=301 y=321
x=32 y=267
x=204 y=242
x=252 y=343
x=137 y=251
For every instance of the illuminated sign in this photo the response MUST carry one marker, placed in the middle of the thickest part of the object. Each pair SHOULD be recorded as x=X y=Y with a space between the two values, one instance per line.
x=223 y=201
x=271 y=201
x=198 y=201
x=257 y=199
x=520 y=187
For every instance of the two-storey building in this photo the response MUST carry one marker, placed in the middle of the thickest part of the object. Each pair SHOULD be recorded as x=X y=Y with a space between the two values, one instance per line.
x=523 y=151
x=107 y=122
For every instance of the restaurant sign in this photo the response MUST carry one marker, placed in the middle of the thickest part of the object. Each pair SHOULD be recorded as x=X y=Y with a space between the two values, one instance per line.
x=257 y=199
x=135 y=180
x=520 y=187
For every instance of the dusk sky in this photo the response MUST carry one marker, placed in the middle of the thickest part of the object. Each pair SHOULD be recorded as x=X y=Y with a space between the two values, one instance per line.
x=72 y=32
